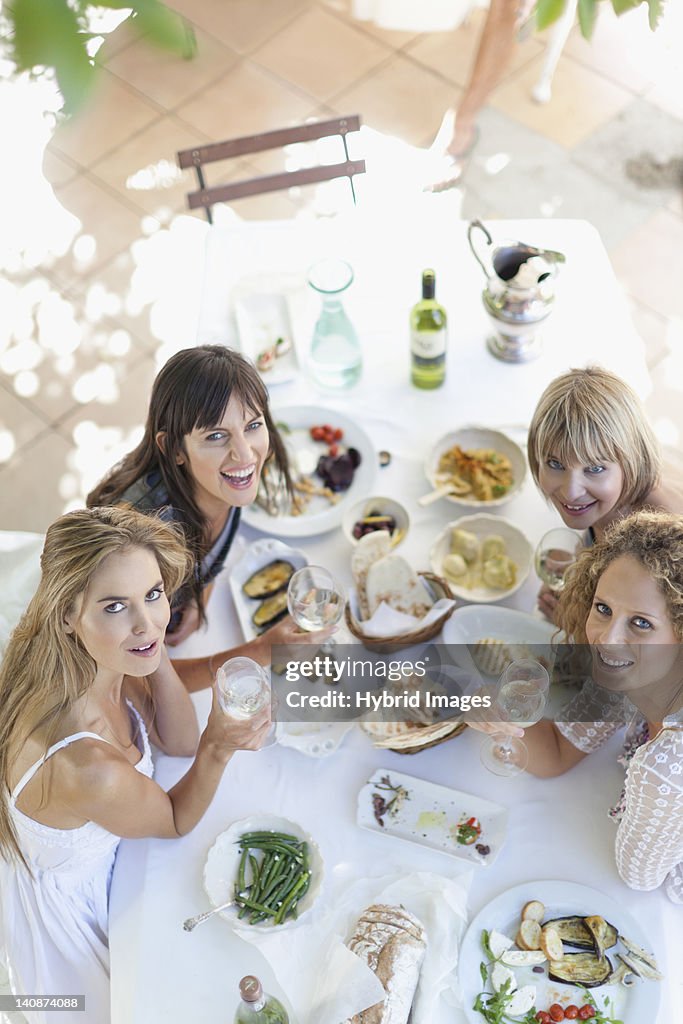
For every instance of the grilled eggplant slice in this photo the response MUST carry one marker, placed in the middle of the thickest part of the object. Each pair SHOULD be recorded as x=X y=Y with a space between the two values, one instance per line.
x=603 y=934
x=270 y=610
x=575 y=932
x=580 y=969
x=269 y=580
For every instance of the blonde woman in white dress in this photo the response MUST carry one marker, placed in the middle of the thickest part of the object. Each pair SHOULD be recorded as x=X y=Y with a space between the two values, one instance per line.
x=84 y=686
x=624 y=599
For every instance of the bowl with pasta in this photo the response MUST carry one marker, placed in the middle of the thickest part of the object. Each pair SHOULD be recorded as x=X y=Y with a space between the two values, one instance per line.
x=476 y=467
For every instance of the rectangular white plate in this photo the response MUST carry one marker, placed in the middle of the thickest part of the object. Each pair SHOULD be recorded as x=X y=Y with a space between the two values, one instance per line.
x=262 y=318
x=430 y=812
x=258 y=555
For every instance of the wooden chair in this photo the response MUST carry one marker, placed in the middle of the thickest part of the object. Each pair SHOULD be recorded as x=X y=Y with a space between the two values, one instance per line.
x=199 y=156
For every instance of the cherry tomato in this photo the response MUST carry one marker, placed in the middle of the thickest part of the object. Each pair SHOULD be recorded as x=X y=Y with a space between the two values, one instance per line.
x=571 y=1012
x=556 y=1012
x=318 y=433
x=333 y=450
x=543 y=1018
x=338 y=434
x=587 y=1012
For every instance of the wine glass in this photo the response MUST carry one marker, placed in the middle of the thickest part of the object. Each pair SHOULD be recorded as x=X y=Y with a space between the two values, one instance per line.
x=243 y=688
x=314 y=598
x=521 y=698
x=556 y=551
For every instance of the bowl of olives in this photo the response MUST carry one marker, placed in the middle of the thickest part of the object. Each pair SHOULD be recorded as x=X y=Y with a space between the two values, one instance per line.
x=377 y=513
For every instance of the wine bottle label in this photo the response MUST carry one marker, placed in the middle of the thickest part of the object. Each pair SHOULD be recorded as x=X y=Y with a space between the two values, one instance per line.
x=428 y=344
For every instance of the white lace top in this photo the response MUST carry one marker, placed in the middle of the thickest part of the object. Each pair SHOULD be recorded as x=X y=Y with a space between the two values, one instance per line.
x=649 y=844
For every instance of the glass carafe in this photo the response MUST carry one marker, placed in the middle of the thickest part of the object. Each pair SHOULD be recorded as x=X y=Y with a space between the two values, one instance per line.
x=335 y=359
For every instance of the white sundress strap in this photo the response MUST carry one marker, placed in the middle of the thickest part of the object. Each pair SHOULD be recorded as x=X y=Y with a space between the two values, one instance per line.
x=28 y=775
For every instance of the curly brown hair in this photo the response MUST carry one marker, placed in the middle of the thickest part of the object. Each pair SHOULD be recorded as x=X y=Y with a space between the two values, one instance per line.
x=655 y=539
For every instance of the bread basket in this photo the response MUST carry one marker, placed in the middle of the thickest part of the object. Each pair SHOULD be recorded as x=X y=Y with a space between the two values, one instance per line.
x=409 y=737
x=438 y=588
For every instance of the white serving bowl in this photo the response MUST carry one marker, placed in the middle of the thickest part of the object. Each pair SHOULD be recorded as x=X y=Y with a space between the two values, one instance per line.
x=479 y=437
x=385 y=506
x=222 y=863
x=483 y=525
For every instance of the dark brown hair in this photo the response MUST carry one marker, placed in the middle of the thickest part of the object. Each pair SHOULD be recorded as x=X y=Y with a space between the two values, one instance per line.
x=191 y=391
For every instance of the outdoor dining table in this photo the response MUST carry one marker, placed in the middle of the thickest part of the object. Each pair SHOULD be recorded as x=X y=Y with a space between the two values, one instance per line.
x=557 y=828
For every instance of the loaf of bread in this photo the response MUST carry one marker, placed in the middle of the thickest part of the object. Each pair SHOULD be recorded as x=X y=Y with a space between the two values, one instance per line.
x=392 y=942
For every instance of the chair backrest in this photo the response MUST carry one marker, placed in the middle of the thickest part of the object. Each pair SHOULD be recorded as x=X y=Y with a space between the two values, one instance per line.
x=199 y=156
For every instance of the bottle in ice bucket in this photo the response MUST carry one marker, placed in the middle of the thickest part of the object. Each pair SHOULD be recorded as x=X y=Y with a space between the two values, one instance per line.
x=257 y=1007
x=428 y=337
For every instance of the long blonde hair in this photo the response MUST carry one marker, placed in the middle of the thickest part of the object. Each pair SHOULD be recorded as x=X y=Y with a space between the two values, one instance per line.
x=655 y=539
x=589 y=416
x=45 y=668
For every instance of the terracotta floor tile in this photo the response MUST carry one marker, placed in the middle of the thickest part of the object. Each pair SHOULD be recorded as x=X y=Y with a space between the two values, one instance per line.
x=169 y=79
x=19 y=423
x=395 y=38
x=112 y=116
x=653 y=328
x=58 y=169
x=101 y=433
x=245 y=101
x=452 y=53
x=240 y=24
x=621 y=48
x=646 y=261
x=321 y=54
x=401 y=99
x=582 y=101
x=144 y=170
x=108 y=225
x=72 y=357
x=31 y=482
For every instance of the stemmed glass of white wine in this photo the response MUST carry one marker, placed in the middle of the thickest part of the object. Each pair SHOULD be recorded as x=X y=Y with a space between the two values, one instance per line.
x=556 y=551
x=315 y=599
x=521 y=698
x=243 y=688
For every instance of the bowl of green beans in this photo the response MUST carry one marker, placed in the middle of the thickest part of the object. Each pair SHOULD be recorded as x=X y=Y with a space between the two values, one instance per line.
x=270 y=869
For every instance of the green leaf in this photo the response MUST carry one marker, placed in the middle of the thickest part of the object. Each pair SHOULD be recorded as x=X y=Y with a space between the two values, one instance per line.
x=548 y=11
x=47 y=33
x=621 y=6
x=588 y=12
x=655 y=10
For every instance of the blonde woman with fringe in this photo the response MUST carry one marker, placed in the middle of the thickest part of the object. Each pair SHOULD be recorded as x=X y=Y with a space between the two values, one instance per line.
x=85 y=684
x=623 y=601
x=595 y=457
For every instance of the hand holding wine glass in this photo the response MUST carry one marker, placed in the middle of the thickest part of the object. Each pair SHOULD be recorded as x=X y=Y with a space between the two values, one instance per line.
x=520 y=701
x=244 y=693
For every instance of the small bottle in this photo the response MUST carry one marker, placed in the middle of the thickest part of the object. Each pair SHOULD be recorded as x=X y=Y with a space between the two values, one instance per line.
x=257 y=1007
x=428 y=337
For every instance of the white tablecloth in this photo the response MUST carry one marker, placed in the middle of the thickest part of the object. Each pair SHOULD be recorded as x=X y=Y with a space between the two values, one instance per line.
x=558 y=828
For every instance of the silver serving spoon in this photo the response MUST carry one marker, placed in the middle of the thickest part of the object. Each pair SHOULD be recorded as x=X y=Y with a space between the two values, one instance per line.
x=192 y=922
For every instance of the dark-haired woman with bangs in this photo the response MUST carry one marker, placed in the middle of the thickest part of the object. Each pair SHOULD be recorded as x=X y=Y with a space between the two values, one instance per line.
x=208 y=436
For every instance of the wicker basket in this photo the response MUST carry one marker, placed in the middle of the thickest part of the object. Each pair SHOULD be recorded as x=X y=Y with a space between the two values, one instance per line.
x=416 y=739
x=388 y=645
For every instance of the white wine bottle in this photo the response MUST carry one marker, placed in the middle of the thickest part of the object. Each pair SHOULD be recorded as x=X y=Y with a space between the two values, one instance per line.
x=428 y=337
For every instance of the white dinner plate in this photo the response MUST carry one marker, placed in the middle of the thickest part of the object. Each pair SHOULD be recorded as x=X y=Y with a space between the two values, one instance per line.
x=222 y=862
x=321 y=516
x=429 y=814
x=258 y=555
x=635 y=1005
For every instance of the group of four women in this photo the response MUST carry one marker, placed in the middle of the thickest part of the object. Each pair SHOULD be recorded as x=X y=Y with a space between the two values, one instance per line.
x=87 y=681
